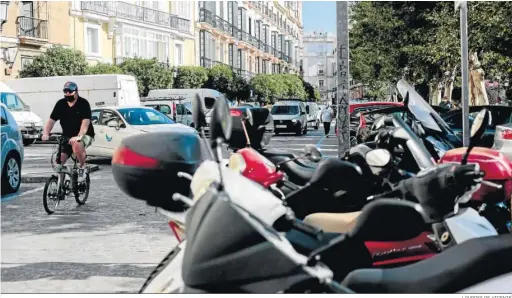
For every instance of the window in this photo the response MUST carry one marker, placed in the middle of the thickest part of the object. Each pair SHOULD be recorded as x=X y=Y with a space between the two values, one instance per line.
x=239 y=59
x=321 y=83
x=93 y=39
x=250 y=26
x=142 y=116
x=12 y=102
x=4 y=117
x=221 y=10
x=181 y=9
x=108 y=116
x=144 y=44
x=231 y=54
x=26 y=61
x=320 y=71
x=221 y=53
x=95 y=116
x=178 y=54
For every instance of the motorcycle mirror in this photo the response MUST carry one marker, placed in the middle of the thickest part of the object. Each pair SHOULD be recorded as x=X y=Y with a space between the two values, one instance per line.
x=378 y=158
x=477 y=131
x=248 y=116
x=312 y=153
x=221 y=122
x=479 y=125
x=198 y=114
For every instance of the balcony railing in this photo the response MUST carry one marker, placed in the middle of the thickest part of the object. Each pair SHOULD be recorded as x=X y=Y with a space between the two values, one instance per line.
x=31 y=27
x=137 y=13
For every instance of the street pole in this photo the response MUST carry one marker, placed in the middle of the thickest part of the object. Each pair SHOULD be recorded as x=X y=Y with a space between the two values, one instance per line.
x=342 y=92
x=465 y=70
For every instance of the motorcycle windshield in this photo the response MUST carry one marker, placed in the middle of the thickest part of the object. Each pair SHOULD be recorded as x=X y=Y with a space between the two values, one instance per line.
x=418 y=106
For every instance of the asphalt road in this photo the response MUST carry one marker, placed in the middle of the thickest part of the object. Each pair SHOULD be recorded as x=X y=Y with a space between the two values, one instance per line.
x=109 y=245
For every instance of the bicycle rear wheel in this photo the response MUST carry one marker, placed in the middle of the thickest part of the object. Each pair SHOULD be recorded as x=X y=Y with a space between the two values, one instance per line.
x=51 y=195
x=83 y=190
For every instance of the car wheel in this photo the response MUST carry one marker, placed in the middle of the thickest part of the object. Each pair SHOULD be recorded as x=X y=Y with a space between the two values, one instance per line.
x=28 y=142
x=11 y=174
x=298 y=131
x=306 y=129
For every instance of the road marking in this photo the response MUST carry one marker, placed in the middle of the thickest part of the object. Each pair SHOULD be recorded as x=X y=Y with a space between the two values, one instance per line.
x=17 y=195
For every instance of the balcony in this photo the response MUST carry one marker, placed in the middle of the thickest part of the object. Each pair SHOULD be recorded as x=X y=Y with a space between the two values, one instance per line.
x=32 y=31
x=137 y=13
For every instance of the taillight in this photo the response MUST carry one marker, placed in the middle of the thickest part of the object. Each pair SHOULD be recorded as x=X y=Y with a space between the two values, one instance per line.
x=362 y=121
x=127 y=157
x=506 y=134
x=236 y=113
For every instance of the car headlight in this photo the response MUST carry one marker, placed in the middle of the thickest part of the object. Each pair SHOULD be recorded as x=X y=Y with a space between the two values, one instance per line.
x=237 y=163
x=20 y=124
x=294 y=120
x=39 y=123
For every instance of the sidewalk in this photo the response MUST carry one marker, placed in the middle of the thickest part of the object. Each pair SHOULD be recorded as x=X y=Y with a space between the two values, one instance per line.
x=36 y=166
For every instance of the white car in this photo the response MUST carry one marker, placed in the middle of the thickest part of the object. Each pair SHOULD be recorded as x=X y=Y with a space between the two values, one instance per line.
x=112 y=124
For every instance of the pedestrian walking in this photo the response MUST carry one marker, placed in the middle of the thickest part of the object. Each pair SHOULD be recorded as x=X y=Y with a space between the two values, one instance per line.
x=327 y=115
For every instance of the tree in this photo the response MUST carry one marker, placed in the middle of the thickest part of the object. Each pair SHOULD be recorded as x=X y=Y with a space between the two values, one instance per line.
x=191 y=77
x=293 y=86
x=150 y=74
x=312 y=94
x=268 y=87
x=220 y=78
x=241 y=89
x=104 y=68
x=56 y=61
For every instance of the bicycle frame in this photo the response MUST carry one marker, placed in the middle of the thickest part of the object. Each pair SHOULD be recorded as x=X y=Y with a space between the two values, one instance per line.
x=63 y=170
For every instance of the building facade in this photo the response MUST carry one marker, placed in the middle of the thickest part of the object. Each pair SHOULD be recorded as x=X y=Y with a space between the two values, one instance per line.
x=252 y=37
x=111 y=31
x=319 y=63
x=29 y=28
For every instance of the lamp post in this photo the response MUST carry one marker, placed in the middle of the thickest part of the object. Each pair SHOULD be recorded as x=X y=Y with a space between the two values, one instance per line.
x=4 y=5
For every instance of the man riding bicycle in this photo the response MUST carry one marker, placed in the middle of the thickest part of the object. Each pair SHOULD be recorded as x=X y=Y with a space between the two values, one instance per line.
x=74 y=113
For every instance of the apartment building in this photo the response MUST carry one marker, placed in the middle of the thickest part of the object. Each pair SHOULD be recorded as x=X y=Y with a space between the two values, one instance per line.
x=111 y=31
x=28 y=28
x=252 y=37
x=319 y=62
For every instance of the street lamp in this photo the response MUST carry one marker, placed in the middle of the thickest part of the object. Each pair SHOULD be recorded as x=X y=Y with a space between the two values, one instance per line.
x=4 y=5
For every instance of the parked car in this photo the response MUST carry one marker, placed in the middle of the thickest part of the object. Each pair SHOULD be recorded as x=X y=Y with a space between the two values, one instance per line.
x=30 y=124
x=290 y=116
x=12 y=152
x=313 y=114
x=112 y=124
x=503 y=139
x=500 y=115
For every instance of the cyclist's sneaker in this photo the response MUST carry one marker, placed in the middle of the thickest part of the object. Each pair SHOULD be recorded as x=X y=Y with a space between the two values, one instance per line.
x=82 y=173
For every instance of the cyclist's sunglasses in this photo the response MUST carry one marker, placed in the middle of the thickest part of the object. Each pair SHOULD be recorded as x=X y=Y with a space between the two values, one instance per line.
x=67 y=90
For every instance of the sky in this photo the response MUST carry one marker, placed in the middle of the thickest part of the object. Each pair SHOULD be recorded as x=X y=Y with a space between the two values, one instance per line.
x=319 y=15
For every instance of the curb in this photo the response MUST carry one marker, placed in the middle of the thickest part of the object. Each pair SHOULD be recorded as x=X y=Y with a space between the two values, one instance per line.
x=38 y=178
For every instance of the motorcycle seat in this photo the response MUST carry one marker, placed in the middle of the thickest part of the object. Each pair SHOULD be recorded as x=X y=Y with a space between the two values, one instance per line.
x=333 y=222
x=453 y=270
x=297 y=171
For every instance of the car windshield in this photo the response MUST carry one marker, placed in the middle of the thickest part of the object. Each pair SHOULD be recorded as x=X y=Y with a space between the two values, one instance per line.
x=285 y=110
x=12 y=102
x=140 y=116
x=419 y=108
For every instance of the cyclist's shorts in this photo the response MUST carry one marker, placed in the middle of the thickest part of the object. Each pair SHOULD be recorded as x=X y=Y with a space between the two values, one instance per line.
x=68 y=149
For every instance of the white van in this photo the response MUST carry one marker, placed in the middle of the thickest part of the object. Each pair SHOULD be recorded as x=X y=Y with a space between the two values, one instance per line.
x=313 y=119
x=177 y=103
x=29 y=124
x=100 y=90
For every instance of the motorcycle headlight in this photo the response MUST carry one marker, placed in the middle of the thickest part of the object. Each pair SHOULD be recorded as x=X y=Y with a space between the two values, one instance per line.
x=237 y=163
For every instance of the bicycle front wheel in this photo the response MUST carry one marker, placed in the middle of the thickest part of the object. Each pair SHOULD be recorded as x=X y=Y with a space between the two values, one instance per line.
x=51 y=195
x=83 y=190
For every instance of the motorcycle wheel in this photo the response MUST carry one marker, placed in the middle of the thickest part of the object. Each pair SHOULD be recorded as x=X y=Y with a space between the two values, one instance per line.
x=162 y=276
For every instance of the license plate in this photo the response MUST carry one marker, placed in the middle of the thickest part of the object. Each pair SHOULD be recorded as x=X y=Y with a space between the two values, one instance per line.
x=281 y=126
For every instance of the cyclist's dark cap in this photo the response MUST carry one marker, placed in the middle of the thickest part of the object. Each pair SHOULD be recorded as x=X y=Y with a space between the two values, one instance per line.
x=70 y=87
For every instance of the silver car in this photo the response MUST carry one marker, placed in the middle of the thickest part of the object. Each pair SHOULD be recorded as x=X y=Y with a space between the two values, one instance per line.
x=503 y=139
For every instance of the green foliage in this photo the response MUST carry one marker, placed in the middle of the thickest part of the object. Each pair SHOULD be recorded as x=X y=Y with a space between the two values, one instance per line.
x=56 y=61
x=312 y=94
x=191 y=77
x=220 y=78
x=104 y=68
x=150 y=74
x=268 y=87
x=241 y=89
x=294 y=87
x=420 y=40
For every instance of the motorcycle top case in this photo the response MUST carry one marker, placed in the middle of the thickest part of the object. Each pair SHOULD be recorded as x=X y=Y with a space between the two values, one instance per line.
x=259 y=137
x=146 y=166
